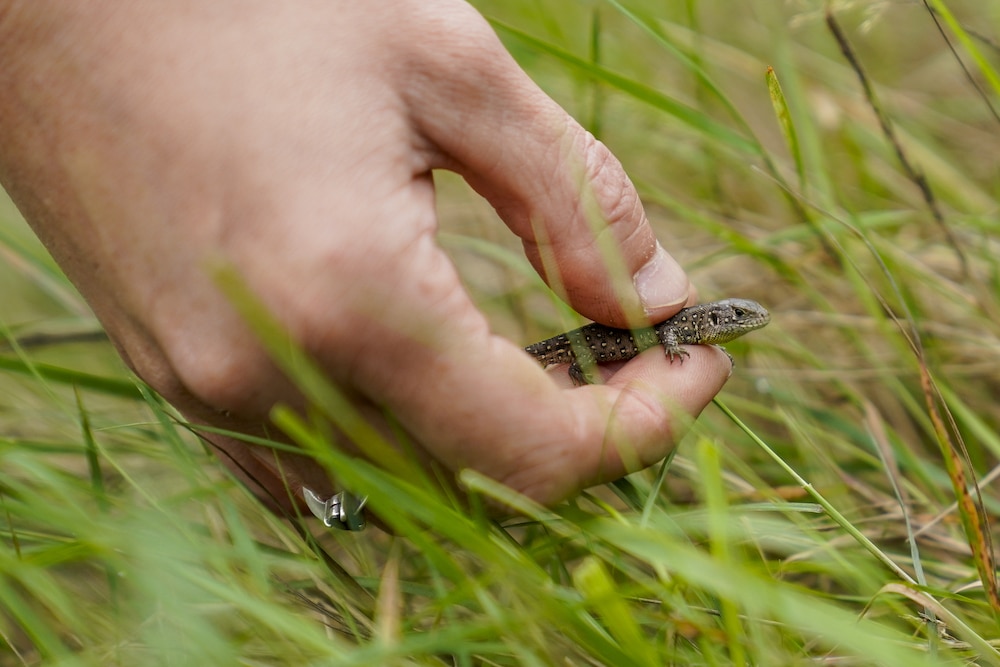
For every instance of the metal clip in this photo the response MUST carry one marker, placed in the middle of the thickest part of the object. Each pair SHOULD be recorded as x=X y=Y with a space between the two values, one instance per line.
x=341 y=510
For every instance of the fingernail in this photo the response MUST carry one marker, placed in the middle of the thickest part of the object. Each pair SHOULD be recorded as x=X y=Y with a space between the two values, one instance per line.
x=661 y=282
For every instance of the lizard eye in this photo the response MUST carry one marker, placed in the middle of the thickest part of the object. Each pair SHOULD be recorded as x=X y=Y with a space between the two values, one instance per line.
x=739 y=312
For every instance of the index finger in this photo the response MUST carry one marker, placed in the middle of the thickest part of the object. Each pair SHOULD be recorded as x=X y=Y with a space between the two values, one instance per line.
x=554 y=184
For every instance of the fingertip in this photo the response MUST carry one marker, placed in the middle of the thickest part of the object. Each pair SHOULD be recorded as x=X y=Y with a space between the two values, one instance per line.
x=643 y=410
x=690 y=383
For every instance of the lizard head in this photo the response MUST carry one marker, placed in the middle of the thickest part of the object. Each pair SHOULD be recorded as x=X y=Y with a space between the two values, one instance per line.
x=731 y=318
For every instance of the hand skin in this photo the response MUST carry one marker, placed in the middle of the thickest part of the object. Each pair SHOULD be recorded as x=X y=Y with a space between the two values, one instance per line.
x=295 y=141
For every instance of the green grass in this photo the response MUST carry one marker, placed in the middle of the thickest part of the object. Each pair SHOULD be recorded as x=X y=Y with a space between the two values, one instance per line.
x=812 y=514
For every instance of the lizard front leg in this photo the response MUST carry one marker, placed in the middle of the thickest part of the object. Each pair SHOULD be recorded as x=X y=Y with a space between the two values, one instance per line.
x=670 y=345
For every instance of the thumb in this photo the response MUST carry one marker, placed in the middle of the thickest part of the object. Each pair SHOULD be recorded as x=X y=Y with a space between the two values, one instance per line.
x=555 y=185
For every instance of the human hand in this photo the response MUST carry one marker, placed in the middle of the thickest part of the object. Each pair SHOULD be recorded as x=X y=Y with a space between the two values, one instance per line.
x=295 y=142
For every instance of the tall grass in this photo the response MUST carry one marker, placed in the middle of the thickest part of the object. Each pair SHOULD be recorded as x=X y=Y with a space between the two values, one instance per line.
x=835 y=162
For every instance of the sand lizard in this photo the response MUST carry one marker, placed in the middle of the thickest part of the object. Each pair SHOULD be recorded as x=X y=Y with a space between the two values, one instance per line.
x=706 y=323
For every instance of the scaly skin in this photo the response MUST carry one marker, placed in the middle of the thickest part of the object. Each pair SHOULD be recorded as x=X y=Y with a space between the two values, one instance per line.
x=705 y=324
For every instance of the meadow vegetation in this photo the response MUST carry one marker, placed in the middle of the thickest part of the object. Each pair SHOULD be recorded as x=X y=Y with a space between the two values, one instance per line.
x=835 y=161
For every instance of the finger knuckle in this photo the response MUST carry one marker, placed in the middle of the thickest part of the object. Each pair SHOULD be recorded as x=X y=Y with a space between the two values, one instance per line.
x=615 y=195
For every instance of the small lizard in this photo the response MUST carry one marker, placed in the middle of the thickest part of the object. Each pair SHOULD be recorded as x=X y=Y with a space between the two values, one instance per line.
x=706 y=323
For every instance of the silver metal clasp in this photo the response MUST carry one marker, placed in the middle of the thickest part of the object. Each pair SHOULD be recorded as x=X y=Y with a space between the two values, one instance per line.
x=341 y=510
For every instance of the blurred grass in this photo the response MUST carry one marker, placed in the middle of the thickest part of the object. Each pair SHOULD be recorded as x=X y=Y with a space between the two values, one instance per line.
x=818 y=523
